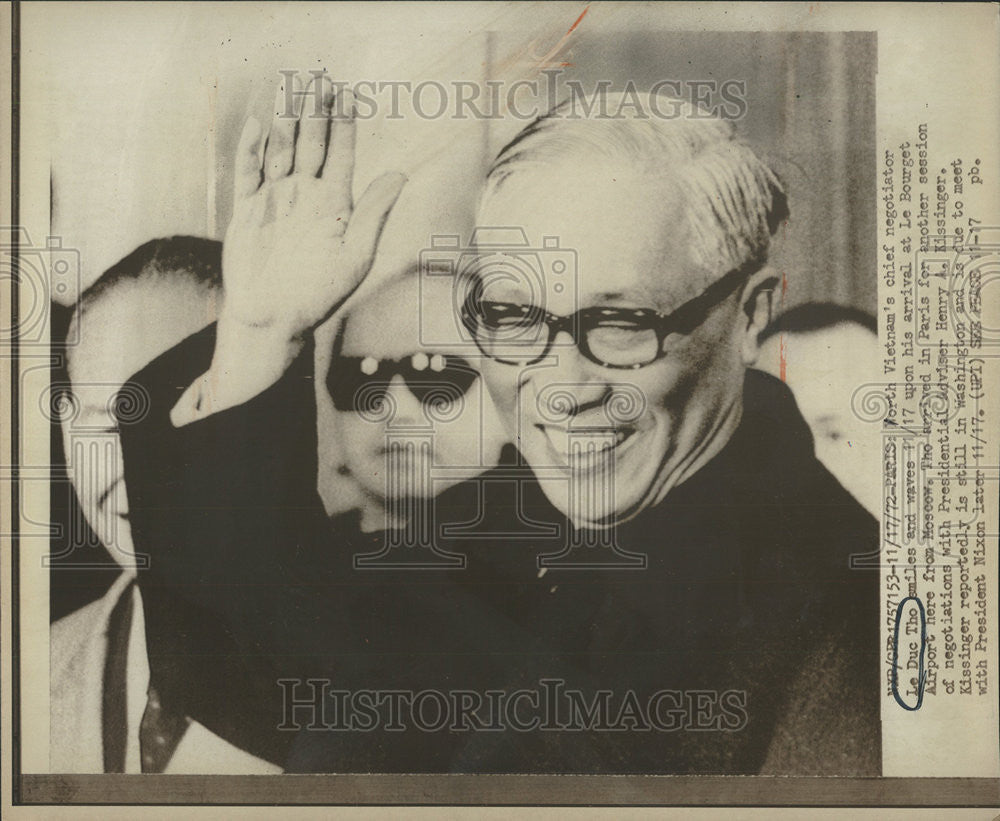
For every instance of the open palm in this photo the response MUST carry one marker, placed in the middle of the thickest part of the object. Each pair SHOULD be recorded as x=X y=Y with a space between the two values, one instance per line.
x=297 y=245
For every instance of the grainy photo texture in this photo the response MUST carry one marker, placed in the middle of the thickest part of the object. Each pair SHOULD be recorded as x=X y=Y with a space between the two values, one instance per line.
x=515 y=498
x=515 y=389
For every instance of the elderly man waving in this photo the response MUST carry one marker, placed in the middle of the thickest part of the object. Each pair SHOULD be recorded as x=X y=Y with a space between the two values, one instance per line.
x=658 y=580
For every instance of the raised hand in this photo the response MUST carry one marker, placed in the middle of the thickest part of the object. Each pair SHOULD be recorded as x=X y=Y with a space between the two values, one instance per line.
x=297 y=245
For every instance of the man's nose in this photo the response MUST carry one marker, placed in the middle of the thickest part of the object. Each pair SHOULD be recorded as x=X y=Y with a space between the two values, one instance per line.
x=404 y=408
x=567 y=362
x=567 y=385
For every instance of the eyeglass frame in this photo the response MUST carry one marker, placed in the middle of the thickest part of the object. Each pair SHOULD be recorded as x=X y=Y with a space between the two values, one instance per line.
x=684 y=319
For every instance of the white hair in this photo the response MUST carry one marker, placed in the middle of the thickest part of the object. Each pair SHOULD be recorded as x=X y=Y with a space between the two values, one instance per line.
x=732 y=200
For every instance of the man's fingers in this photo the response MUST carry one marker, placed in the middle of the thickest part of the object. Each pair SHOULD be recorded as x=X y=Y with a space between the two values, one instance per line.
x=368 y=219
x=338 y=170
x=247 y=165
x=314 y=125
x=280 y=150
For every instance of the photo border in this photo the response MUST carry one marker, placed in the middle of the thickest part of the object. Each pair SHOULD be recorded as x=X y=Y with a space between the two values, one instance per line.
x=391 y=790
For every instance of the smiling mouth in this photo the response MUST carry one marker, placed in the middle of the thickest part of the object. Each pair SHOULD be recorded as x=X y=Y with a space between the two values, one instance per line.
x=588 y=443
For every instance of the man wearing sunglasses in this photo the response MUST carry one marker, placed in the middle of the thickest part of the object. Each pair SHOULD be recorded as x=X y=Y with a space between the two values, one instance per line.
x=406 y=410
x=671 y=541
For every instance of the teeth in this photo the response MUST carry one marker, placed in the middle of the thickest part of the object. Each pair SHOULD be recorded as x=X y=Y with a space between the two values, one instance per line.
x=583 y=453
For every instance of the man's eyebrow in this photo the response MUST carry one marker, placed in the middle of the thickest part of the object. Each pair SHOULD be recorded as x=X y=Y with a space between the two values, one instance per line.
x=611 y=295
x=641 y=298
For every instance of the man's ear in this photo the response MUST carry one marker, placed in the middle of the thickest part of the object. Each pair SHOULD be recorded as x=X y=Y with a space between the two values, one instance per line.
x=757 y=302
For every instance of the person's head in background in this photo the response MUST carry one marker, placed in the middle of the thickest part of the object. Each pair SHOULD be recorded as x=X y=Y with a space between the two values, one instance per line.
x=151 y=300
x=825 y=352
x=410 y=413
x=445 y=162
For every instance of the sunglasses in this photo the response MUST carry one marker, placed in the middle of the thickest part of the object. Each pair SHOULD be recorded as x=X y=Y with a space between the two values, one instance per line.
x=360 y=383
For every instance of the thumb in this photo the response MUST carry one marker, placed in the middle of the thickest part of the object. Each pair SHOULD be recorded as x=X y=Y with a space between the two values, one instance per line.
x=370 y=214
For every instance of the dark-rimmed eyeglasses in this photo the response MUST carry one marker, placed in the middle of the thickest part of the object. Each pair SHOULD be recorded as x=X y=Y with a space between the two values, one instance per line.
x=359 y=383
x=611 y=337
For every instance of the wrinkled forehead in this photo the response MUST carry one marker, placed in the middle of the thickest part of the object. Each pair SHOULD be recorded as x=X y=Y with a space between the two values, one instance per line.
x=620 y=228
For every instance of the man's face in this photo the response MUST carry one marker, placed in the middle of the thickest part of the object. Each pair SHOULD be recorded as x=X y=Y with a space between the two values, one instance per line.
x=431 y=413
x=438 y=199
x=632 y=252
x=120 y=333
